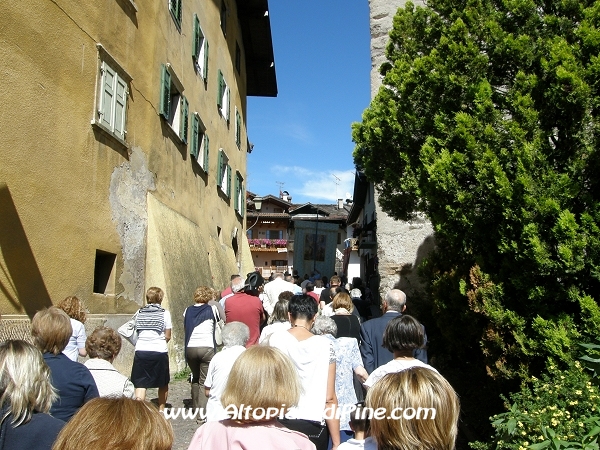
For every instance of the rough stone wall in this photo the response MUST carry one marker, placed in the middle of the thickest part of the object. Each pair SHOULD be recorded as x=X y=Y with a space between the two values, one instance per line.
x=400 y=245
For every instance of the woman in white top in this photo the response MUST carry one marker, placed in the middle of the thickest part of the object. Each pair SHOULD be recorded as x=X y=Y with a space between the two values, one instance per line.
x=76 y=312
x=279 y=320
x=235 y=337
x=151 y=359
x=314 y=359
x=402 y=336
x=200 y=346
x=103 y=346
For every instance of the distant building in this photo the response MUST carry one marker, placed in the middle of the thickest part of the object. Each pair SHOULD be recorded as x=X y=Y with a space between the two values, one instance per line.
x=284 y=236
x=123 y=151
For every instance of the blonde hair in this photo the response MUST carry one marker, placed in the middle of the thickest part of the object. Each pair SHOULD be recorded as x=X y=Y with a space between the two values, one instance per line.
x=154 y=295
x=118 y=424
x=417 y=387
x=262 y=377
x=24 y=382
x=204 y=294
x=342 y=300
x=51 y=330
x=73 y=307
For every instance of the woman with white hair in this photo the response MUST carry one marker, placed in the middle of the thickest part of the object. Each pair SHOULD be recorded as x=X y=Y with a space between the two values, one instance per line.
x=26 y=396
x=235 y=335
x=347 y=363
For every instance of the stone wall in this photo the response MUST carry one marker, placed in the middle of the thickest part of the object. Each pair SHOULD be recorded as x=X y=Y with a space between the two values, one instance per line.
x=400 y=245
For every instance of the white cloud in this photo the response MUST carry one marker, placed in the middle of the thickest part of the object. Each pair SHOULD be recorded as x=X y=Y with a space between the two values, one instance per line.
x=313 y=185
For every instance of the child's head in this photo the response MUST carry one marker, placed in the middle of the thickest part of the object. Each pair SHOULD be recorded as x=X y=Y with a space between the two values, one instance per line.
x=359 y=421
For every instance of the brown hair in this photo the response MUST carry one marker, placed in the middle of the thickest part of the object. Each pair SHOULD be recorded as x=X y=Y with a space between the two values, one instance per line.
x=342 y=300
x=103 y=343
x=73 y=307
x=51 y=330
x=403 y=333
x=430 y=396
x=335 y=280
x=286 y=295
x=204 y=294
x=154 y=295
x=262 y=377
x=116 y=423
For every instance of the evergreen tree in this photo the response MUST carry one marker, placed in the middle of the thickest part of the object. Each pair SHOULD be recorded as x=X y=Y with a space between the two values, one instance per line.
x=488 y=122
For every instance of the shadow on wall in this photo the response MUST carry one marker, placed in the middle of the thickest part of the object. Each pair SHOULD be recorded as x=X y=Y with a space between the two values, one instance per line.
x=20 y=268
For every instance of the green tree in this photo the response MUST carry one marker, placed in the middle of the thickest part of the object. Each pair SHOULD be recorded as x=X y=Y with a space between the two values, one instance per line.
x=487 y=122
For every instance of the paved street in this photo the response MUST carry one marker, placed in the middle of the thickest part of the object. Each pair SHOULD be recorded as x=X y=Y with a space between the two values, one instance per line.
x=179 y=396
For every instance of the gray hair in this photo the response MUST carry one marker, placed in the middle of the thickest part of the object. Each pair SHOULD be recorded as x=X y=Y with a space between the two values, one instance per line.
x=235 y=333
x=395 y=299
x=238 y=285
x=278 y=275
x=324 y=325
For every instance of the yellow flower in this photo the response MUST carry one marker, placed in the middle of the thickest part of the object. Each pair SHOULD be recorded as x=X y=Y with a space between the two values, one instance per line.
x=523 y=433
x=581 y=424
x=520 y=424
x=578 y=392
x=554 y=422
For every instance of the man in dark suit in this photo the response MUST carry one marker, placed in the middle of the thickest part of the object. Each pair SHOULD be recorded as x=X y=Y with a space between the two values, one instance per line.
x=371 y=333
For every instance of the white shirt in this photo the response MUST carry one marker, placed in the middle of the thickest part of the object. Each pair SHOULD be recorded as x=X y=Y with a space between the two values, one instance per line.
x=109 y=381
x=270 y=329
x=151 y=341
x=395 y=365
x=355 y=444
x=311 y=357
x=274 y=288
x=76 y=341
x=216 y=379
x=202 y=335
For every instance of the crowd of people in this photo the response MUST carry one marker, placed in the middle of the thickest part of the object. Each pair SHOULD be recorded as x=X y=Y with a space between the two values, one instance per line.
x=275 y=364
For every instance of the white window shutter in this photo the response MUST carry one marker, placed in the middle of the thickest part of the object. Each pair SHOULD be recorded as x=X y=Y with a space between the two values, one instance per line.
x=108 y=94
x=120 y=107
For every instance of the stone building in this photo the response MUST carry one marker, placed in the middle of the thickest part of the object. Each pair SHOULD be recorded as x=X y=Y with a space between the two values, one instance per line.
x=400 y=245
x=123 y=151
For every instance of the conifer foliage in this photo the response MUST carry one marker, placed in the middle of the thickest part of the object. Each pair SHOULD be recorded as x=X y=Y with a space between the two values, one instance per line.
x=488 y=122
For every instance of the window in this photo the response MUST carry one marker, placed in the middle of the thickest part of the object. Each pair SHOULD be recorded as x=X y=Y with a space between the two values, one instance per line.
x=112 y=104
x=240 y=196
x=249 y=234
x=223 y=97
x=274 y=234
x=173 y=105
x=238 y=129
x=175 y=8
x=199 y=142
x=200 y=50
x=238 y=58
x=224 y=17
x=224 y=174
x=104 y=272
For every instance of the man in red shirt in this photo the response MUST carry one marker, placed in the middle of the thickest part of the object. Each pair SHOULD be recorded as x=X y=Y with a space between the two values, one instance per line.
x=245 y=308
x=309 y=289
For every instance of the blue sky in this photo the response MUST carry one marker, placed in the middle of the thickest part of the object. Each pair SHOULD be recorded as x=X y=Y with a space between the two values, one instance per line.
x=303 y=136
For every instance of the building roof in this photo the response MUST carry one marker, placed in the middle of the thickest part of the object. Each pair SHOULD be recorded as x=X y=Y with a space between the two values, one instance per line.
x=258 y=47
x=308 y=211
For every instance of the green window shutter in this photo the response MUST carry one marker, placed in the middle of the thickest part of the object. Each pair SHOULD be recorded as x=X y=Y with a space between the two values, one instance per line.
x=220 y=90
x=120 y=107
x=195 y=134
x=236 y=200
x=243 y=196
x=108 y=95
x=228 y=181
x=165 y=92
x=196 y=41
x=205 y=67
x=205 y=149
x=183 y=122
x=220 y=170
x=238 y=129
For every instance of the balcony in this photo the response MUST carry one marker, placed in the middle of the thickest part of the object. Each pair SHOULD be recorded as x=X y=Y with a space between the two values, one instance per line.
x=268 y=244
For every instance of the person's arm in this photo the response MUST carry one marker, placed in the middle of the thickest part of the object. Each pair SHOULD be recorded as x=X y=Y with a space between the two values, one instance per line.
x=82 y=352
x=331 y=404
x=168 y=334
x=206 y=391
x=361 y=373
x=366 y=350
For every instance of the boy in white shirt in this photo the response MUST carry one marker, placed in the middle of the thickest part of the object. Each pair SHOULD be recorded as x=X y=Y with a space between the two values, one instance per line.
x=359 y=423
